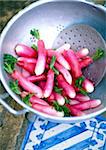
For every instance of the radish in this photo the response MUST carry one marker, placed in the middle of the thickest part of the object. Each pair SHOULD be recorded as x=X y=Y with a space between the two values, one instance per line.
x=25 y=51
x=42 y=84
x=64 y=72
x=60 y=99
x=82 y=98
x=51 y=98
x=41 y=61
x=88 y=104
x=67 y=87
x=48 y=110
x=49 y=84
x=82 y=53
x=30 y=67
x=24 y=94
x=36 y=100
x=63 y=47
x=59 y=58
x=26 y=60
x=74 y=101
x=85 y=62
x=75 y=111
x=88 y=86
x=73 y=62
x=35 y=78
x=25 y=73
x=27 y=85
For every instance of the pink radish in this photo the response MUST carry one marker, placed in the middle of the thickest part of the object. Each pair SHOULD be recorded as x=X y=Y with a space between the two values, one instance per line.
x=73 y=62
x=82 y=53
x=51 y=98
x=82 y=98
x=59 y=58
x=74 y=111
x=88 y=86
x=27 y=85
x=88 y=104
x=25 y=73
x=30 y=67
x=48 y=110
x=85 y=62
x=67 y=87
x=35 y=78
x=64 y=72
x=63 y=47
x=74 y=101
x=24 y=94
x=42 y=84
x=49 y=84
x=36 y=100
x=60 y=99
x=25 y=51
x=41 y=61
x=26 y=60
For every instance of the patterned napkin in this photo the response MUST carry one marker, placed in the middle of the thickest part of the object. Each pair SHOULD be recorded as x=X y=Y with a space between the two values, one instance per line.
x=44 y=135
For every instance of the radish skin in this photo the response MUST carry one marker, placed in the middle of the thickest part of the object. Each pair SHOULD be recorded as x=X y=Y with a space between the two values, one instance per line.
x=82 y=98
x=27 y=85
x=35 y=78
x=88 y=86
x=36 y=100
x=41 y=61
x=30 y=67
x=60 y=58
x=49 y=84
x=74 y=101
x=88 y=104
x=25 y=51
x=82 y=53
x=25 y=73
x=42 y=84
x=85 y=62
x=48 y=110
x=74 y=111
x=24 y=94
x=67 y=87
x=28 y=60
x=64 y=72
x=73 y=62
x=63 y=47
x=60 y=99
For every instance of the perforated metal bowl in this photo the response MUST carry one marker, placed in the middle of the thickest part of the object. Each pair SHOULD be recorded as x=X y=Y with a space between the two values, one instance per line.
x=51 y=17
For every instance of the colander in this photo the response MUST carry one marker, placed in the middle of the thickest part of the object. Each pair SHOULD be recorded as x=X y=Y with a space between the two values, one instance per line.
x=80 y=23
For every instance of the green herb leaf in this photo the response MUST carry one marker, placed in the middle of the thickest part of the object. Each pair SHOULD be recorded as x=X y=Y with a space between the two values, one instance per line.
x=98 y=54
x=34 y=47
x=9 y=63
x=79 y=82
x=14 y=87
x=35 y=33
x=27 y=98
x=82 y=91
x=55 y=71
x=61 y=108
x=67 y=101
x=57 y=90
x=52 y=62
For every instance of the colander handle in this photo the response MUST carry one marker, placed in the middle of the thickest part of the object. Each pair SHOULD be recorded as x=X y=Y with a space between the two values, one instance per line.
x=9 y=108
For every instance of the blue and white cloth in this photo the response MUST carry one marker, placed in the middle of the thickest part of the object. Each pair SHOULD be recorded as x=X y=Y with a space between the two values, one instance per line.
x=44 y=135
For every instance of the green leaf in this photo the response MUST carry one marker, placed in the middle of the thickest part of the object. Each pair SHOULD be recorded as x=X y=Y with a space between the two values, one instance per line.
x=34 y=47
x=61 y=108
x=82 y=91
x=67 y=101
x=55 y=71
x=9 y=63
x=79 y=82
x=57 y=90
x=14 y=87
x=98 y=54
x=26 y=99
x=52 y=62
x=35 y=33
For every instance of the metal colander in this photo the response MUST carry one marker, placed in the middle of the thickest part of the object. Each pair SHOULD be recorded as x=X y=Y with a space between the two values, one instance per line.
x=84 y=36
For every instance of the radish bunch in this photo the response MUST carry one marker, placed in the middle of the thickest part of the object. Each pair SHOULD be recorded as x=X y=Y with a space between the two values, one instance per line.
x=52 y=81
